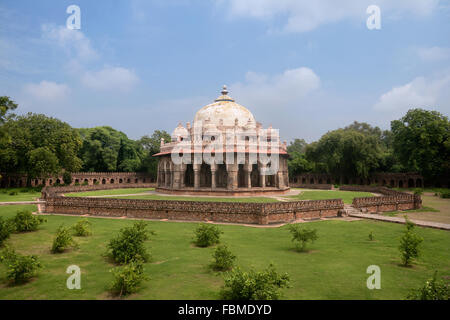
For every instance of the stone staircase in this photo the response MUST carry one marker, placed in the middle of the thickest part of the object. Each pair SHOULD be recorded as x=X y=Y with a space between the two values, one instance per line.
x=351 y=211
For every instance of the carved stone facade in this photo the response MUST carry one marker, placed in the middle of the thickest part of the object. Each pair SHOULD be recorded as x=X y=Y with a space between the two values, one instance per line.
x=225 y=152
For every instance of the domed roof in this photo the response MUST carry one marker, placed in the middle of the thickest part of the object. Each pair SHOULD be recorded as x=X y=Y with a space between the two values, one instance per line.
x=224 y=111
x=179 y=131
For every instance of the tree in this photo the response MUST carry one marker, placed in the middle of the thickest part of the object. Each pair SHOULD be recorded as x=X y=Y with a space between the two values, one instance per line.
x=409 y=244
x=42 y=163
x=254 y=285
x=39 y=140
x=6 y=105
x=346 y=152
x=106 y=149
x=301 y=236
x=421 y=139
x=151 y=145
x=298 y=145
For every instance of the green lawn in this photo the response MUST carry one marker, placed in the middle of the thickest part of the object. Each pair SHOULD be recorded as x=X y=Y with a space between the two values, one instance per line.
x=334 y=268
x=23 y=194
x=346 y=196
x=109 y=192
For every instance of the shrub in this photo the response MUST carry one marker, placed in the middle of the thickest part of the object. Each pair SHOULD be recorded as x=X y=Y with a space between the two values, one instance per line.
x=20 y=268
x=82 y=228
x=128 y=245
x=6 y=228
x=25 y=221
x=301 y=236
x=223 y=258
x=409 y=244
x=433 y=289
x=207 y=235
x=67 y=178
x=85 y=183
x=418 y=191
x=445 y=194
x=13 y=193
x=254 y=285
x=128 y=278
x=63 y=240
x=371 y=236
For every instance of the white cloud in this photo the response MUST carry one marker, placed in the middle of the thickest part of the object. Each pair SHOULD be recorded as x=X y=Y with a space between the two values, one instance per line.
x=419 y=93
x=47 y=91
x=302 y=16
x=433 y=53
x=73 y=41
x=110 y=79
x=289 y=87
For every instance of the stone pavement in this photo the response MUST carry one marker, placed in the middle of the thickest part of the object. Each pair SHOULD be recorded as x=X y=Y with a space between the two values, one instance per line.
x=374 y=216
x=21 y=202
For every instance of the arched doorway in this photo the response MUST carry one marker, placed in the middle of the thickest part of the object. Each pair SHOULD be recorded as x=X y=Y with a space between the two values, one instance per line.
x=255 y=176
x=189 y=176
x=205 y=176
x=241 y=177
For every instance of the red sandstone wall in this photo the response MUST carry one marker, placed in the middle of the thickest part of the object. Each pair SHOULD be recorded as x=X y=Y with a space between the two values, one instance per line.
x=251 y=213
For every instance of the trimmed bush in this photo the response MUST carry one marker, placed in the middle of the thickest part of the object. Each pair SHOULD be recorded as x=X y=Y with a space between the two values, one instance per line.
x=223 y=258
x=25 y=221
x=82 y=228
x=13 y=193
x=63 y=240
x=6 y=228
x=207 y=235
x=371 y=236
x=409 y=244
x=128 y=245
x=20 y=268
x=302 y=235
x=433 y=289
x=128 y=278
x=445 y=194
x=254 y=285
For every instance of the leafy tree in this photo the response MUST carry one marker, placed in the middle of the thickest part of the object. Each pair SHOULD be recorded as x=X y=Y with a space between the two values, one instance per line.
x=207 y=235
x=38 y=143
x=151 y=145
x=298 y=145
x=20 y=268
x=409 y=244
x=223 y=258
x=6 y=228
x=346 y=152
x=82 y=228
x=128 y=245
x=67 y=178
x=128 y=278
x=25 y=221
x=106 y=149
x=6 y=105
x=63 y=240
x=302 y=235
x=254 y=285
x=433 y=289
x=421 y=139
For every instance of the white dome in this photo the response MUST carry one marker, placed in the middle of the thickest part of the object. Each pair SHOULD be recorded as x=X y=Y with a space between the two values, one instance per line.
x=224 y=111
x=179 y=131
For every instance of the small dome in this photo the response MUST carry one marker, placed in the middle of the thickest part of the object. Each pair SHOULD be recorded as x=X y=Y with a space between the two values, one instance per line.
x=224 y=111
x=179 y=131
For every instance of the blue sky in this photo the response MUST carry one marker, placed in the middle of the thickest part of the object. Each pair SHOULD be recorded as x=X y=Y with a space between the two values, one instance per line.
x=305 y=67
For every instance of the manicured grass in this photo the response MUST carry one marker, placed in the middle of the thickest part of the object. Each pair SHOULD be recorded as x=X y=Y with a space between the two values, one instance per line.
x=109 y=192
x=346 y=196
x=23 y=194
x=334 y=268
x=208 y=199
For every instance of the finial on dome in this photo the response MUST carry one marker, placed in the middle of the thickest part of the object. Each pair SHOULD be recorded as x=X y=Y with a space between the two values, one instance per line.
x=224 y=96
x=224 y=90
